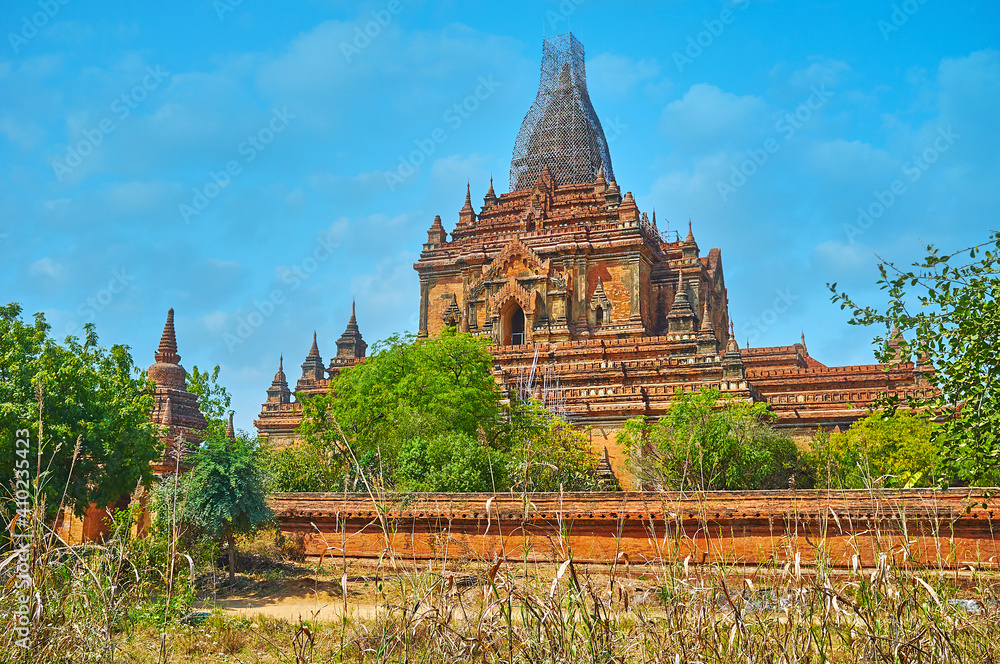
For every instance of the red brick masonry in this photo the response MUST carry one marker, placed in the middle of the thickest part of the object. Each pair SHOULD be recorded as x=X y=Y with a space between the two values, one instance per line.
x=950 y=529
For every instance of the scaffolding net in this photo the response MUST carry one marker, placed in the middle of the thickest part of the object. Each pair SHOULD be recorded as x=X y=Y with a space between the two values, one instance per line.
x=561 y=129
x=543 y=386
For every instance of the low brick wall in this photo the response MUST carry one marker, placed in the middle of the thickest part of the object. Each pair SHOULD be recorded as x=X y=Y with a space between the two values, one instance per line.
x=952 y=529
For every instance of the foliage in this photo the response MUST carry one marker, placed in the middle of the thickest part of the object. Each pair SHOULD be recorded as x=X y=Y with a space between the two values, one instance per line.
x=451 y=461
x=427 y=415
x=946 y=312
x=89 y=394
x=891 y=450
x=412 y=385
x=213 y=398
x=407 y=389
x=304 y=466
x=228 y=489
x=709 y=442
x=546 y=453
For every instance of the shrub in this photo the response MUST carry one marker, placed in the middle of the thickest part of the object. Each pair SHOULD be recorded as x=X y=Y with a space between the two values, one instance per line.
x=709 y=442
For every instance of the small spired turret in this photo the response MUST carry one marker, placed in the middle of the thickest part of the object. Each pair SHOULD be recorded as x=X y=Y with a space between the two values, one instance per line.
x=436 y=234
x=681 y=317
x=467 y=216
x=490 y=199
x=732 y=361
x=312 y=369
x=279 y=392
x=690 y=248
x=707 y=343
x=351 y=347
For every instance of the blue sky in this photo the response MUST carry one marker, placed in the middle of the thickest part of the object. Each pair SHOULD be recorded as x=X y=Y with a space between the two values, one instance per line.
x=768 y=124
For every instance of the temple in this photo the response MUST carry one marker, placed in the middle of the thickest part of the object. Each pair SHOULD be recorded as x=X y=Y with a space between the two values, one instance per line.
x=566 y=274
x=181 y=428
x=569 y=279
x=175 y=409
x=282 y=411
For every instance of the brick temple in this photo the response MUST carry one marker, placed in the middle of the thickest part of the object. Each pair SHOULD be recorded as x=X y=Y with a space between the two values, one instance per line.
x=569 y=279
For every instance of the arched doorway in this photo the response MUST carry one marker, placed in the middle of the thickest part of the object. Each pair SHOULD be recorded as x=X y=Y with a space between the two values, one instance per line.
x=517 y=327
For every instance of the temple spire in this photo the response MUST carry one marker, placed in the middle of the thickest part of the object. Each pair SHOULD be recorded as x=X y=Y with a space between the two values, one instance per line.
x=436 y=234
x=690 y=235
x=350 y=346
x=467 y=215
x=230 y=430
x=490 y=199
x=561 y=129
x=733 y=345
x=167 y=351
x=279 y=392
x=312 y=369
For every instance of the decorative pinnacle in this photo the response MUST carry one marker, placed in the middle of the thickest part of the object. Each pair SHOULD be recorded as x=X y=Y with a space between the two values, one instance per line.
x=230 y=430
x=690 y=236
x=706 y=322
x=167 y=351
x=314 y=351
x=280 y=376
x=353 y=318
x=733 y=345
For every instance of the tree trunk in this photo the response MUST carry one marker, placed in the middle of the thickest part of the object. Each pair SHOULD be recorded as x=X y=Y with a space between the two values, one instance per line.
x=232 y=553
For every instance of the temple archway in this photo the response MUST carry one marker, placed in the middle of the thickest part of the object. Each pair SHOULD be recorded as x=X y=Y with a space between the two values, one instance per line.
x=514 y=327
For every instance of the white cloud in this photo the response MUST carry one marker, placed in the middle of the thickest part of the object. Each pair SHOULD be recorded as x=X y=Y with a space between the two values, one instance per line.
x=46 y=267
x=707 y=117
x=611 y=74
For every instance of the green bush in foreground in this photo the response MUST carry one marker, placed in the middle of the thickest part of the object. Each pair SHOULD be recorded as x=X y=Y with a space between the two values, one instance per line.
x=894 y=450
x=709 y=442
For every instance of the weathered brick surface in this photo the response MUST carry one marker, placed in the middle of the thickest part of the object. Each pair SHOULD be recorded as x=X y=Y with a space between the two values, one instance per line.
x=950 y=529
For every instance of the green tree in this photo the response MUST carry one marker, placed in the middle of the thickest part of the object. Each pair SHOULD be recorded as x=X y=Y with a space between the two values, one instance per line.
x=892 y=450
x=89 y=394
x=709 y=442
x=451 y=461
x=227 y=491
x=213 y=398
x=944 y=312
x=407 y=389
x=304 y=466
x=546 y=453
